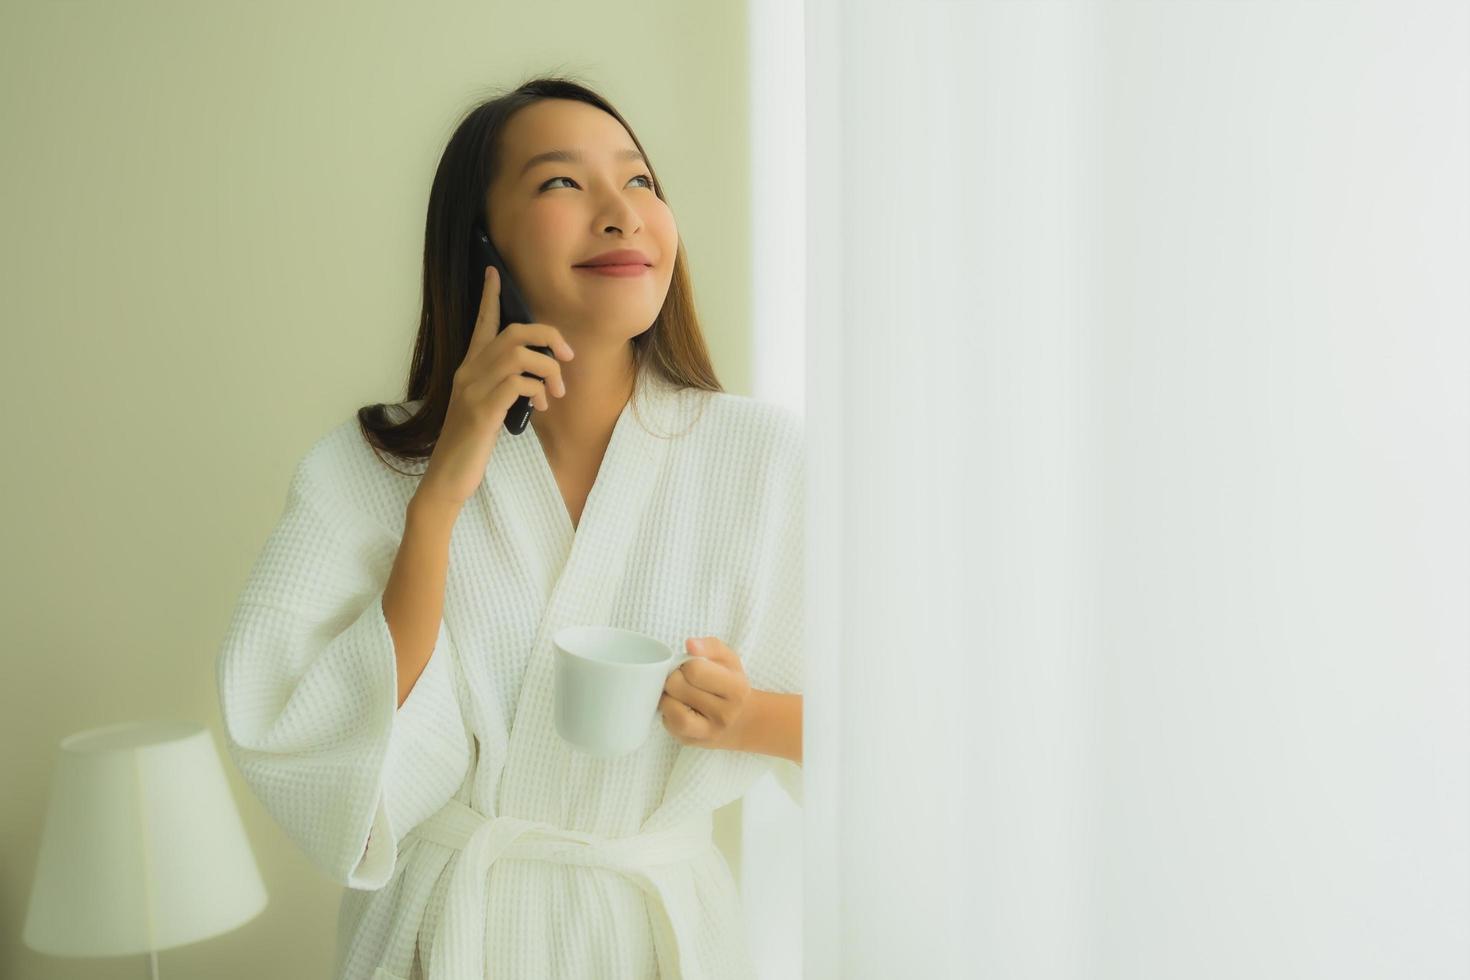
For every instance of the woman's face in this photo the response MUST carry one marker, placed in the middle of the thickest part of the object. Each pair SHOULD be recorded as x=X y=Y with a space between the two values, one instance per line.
x=546 y=219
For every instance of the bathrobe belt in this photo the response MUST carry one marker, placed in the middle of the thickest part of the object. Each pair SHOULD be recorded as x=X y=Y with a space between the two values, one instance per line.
x=459 y=940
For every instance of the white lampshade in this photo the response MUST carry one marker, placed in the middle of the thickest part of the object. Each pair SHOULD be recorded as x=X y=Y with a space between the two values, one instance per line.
x=143 y=848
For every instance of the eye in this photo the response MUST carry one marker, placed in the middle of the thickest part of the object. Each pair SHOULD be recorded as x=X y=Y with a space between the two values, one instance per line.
x=639 y=177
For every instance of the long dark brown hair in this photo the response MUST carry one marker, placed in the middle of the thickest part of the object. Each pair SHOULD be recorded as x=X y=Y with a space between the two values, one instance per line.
x=673 y=347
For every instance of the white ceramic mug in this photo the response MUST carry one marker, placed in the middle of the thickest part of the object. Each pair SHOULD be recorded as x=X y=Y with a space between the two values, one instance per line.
x=607 y=686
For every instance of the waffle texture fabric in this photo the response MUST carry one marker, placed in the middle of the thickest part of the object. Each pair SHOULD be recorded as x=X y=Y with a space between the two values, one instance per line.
x=471 y=840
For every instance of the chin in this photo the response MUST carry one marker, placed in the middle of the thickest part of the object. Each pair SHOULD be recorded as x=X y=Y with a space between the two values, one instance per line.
x=627 y=309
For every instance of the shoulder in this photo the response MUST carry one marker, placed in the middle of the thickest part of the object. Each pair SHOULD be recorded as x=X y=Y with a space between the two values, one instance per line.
x=774 y=429
x=760 y=446
x=341 y=475
x=757 y=447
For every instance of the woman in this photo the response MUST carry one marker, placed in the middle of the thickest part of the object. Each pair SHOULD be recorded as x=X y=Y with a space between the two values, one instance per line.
x=385 y=683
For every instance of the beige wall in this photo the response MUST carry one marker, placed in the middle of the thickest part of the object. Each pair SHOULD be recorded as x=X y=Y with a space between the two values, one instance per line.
x=212 y=239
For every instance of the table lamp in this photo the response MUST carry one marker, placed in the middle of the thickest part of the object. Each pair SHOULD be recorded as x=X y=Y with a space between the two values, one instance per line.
x=142 y=848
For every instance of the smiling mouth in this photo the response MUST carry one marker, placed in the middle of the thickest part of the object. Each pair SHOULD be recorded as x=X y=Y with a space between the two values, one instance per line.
x=633 y=269
x=603 y=265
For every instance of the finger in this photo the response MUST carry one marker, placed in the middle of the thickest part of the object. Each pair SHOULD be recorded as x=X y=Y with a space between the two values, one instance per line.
x=684 y=721
x=675 y=713
x=720 y=674
x=710 y=648
x=552 y=343
x=544 y=367
x=701 y=674
x=707 y=696
x=487 y=320
x=698 y=728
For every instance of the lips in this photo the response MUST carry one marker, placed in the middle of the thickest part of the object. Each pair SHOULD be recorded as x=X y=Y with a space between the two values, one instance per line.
x=622 y=256
x=633 y=269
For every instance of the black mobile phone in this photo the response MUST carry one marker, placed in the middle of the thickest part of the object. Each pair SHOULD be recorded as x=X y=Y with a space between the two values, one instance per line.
x=513 y=309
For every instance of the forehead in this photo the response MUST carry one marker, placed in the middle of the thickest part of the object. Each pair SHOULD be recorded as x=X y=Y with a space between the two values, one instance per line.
x=560 y=124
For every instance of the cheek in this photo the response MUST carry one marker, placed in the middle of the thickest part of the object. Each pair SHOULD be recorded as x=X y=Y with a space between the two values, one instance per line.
x=661 y=223
x=547 y=227
x=663 y=230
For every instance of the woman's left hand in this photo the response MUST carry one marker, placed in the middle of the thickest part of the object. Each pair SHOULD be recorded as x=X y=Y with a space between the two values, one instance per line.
x=707 y=700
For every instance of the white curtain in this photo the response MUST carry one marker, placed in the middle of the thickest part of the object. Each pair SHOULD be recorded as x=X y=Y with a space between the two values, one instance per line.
x=771 y=824
x=1139 y=440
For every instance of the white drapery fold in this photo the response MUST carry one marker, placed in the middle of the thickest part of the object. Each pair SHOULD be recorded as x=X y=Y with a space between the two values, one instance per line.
x=1137 y=544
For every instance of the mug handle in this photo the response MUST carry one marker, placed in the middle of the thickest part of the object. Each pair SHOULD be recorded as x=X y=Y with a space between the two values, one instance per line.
x=677 y=662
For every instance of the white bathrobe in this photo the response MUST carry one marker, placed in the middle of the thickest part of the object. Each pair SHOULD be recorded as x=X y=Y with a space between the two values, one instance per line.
x=474 y=842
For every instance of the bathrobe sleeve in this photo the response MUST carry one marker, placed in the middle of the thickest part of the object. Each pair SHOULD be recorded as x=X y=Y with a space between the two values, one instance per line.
x=308 y=687
x=772 y=641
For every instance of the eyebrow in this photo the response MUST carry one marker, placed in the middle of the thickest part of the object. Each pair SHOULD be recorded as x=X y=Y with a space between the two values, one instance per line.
x=572 y=156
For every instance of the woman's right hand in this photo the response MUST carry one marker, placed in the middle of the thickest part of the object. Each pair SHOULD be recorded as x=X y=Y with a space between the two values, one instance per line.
x=486 y=384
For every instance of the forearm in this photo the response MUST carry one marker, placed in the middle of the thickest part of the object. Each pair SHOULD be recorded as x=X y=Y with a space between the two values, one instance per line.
x=413 y=601
x=773 y=726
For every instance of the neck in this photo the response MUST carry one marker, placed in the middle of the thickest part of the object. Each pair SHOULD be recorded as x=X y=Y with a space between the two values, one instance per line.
x=578 y=426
